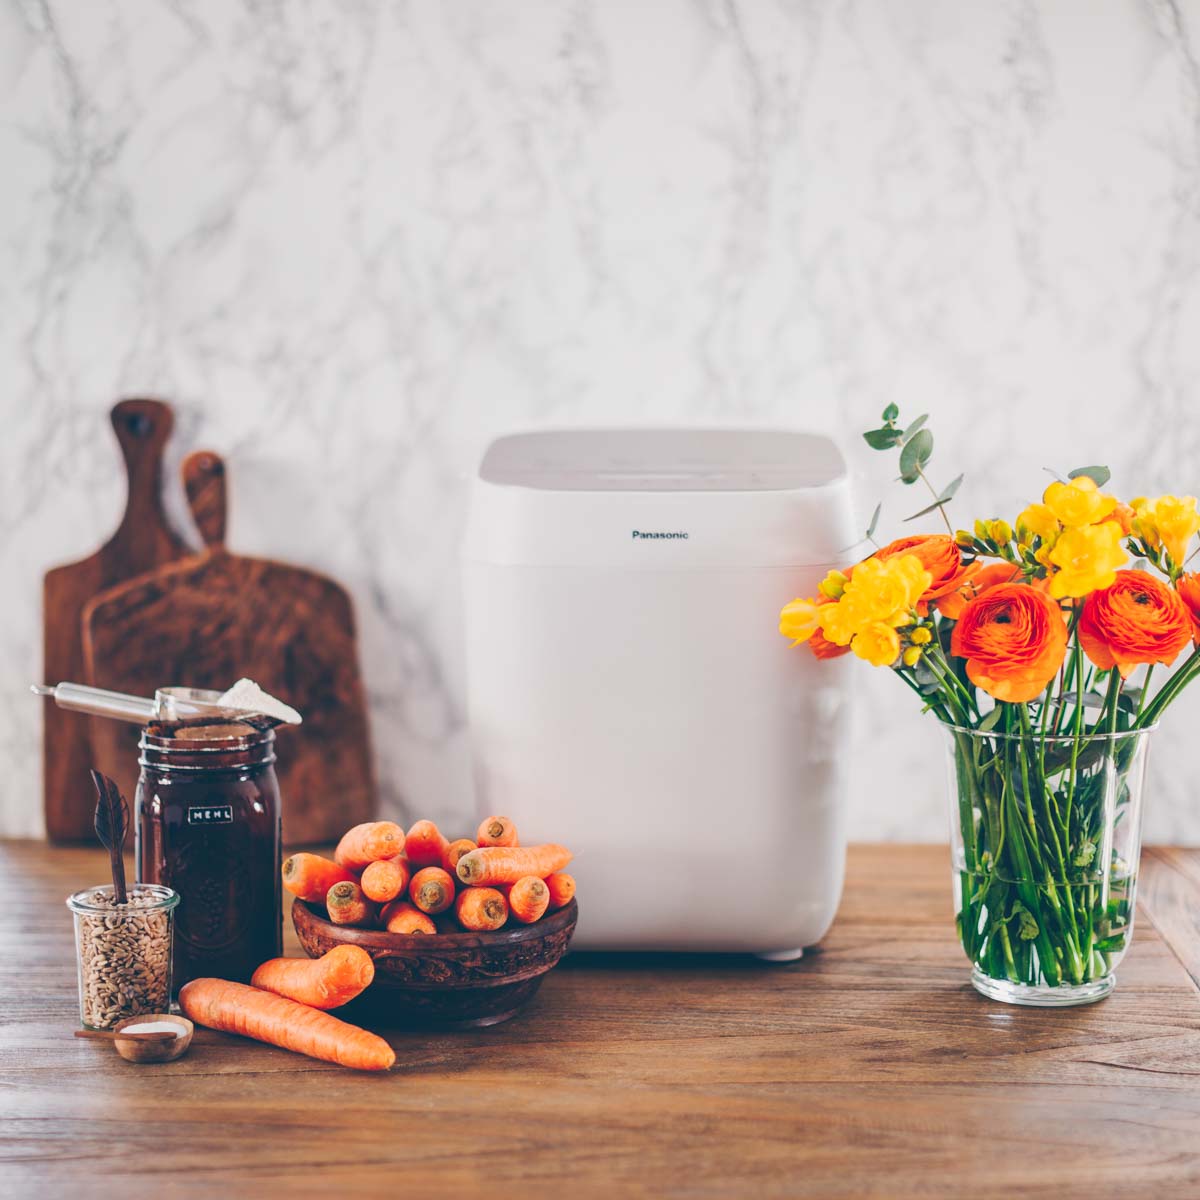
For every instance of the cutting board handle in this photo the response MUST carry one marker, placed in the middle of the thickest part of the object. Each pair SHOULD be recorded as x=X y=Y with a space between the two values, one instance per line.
x=142 y=427
x=204 y=483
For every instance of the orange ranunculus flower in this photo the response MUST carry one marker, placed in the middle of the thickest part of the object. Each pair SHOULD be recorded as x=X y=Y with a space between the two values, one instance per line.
x=1189 y=593
x=951 y=605
x=1136 y=620
x=940 y=556
x=822 y=647
x=1014 y=639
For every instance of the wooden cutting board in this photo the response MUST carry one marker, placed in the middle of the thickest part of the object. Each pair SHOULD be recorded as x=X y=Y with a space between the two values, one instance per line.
x=211 y=618
x=142 y=541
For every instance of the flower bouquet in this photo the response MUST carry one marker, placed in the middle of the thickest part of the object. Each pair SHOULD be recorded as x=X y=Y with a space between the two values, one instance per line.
x=1035 y=645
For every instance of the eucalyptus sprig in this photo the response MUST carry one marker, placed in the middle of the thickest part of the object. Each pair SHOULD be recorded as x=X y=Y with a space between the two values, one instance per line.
x=916 y=448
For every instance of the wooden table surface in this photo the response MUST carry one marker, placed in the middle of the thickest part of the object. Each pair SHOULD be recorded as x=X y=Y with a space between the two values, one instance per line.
x=869 y=1069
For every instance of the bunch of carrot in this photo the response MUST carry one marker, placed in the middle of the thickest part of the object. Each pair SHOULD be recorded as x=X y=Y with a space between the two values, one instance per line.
x=423 y=883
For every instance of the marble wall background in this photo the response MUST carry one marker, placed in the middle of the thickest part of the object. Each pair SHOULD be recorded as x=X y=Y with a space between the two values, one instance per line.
x=351 y=241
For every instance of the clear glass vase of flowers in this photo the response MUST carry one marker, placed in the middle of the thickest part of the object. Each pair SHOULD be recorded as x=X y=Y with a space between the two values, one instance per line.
x=1035 y=644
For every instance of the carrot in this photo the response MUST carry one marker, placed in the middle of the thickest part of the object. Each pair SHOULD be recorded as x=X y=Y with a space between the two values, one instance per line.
x=326 y=982
x=401 y=917
x=529 y=899
x=432 y=890
x=481 y=908
x=369 y=842
x=310 y=876
x=497 y=831
x=562 y=889
x=506 y=864
x=278 y=1021
x=346 y=905
x=425 y=844
x=385 y=880
x=454 y=851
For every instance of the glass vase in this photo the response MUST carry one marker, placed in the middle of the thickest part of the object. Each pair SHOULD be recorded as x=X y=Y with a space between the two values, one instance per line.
x=1045 y=840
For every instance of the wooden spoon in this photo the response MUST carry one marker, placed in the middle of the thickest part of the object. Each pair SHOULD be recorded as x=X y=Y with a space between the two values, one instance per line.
x=157 y=1047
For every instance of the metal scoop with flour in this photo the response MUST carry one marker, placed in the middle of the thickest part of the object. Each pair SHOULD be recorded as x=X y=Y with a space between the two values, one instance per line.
x=245 y=703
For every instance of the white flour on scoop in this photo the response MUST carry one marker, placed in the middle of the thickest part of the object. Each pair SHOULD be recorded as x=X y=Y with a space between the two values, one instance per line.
x=247 y=696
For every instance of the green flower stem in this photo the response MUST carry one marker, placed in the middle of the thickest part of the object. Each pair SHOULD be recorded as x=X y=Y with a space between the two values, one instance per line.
x=950 y=682
x=1145 y=692
x=1047 y=853
x=1010 y=966
x=1025 y=889
x=1170 y=690
x=1077 y=662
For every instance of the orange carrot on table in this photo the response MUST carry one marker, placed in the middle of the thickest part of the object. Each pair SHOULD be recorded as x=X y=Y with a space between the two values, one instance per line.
x=490 y=865
x=346 y=905
x=425 y=844
x=251 y=1012
x=497 y=831
x=385 y=879
x=562 y=889
x=369 y=842
x=529 y=899
x=432 y=890
x=481 y=908
x=332 y=980
x=454 y=851
x=310 y=876
x=401 y=917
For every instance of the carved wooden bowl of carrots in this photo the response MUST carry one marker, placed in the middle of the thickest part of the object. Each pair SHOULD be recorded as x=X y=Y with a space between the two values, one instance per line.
x=461 y=932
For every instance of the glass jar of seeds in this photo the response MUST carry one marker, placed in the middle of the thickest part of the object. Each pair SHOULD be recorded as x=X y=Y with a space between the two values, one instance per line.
x=124 y=952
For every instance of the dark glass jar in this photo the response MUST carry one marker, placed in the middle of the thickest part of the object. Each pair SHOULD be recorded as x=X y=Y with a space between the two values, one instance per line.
x=207 y=824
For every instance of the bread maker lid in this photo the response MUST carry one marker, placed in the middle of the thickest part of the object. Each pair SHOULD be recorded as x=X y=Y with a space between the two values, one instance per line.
x=661 y=498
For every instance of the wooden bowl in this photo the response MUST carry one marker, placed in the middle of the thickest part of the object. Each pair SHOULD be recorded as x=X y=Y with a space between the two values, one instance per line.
x=448 y=980
x=137 y=1051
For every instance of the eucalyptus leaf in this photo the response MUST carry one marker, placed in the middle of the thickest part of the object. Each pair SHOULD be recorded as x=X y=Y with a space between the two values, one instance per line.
x=942 y=500
x=949 y=490
x=917 y=424
x=881 y=439
x=915 y=455
x=990 y=721
x=874 y=521
x=927 y=509
x=1098 y=475
x=1090 y=700
x=891 y=412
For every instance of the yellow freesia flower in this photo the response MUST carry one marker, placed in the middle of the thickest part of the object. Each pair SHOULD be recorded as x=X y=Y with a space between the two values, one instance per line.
x=1078 y=502
x=841 y=621
x=1087 y=558
x=878 y=643
x=1040 y=521
x=798 y=620
x=1171 y=521
x=879 y=590
x=833 y=585
x=911 y=656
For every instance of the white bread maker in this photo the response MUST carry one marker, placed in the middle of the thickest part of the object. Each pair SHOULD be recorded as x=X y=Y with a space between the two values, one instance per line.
x=629 y=693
